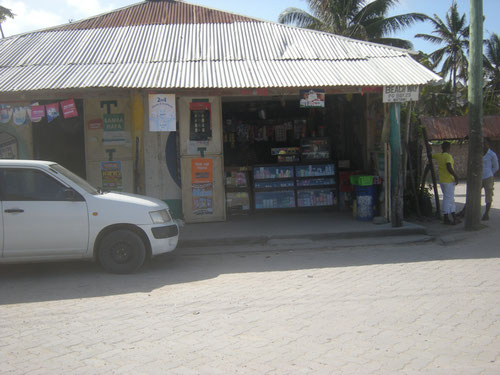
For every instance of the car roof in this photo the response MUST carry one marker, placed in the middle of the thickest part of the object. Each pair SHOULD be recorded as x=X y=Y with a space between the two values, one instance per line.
x=25 y=163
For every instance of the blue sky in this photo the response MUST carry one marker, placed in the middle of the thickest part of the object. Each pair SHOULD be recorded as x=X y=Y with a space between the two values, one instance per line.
x=35 y=14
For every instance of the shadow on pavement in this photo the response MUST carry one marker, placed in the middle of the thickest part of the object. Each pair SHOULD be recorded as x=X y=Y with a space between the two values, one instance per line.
x=25 y=283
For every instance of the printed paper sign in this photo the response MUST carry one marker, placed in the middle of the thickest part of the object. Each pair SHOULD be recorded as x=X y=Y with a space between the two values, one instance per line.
x=5 y=113
x=52 y=111
x=37 y=112
x=19 y=116
x=201 y=171
x=202 y=186
x=312 y=98
x=69 y=108
x=95 y=124
x=162 y=117
x=111 y=172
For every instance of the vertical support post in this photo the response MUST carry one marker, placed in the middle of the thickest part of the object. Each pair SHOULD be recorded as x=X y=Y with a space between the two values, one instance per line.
x=475 y=162
x=396 y=171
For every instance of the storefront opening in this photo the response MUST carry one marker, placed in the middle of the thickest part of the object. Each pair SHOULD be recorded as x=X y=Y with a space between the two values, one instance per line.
x=61 y=140
x=279 y=156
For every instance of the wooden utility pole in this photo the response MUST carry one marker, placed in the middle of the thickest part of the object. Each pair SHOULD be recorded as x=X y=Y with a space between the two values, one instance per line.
x=475 y=161
x=396 y=170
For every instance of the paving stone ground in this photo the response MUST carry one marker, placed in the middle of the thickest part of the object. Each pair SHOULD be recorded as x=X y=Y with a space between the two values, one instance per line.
x=399 y=309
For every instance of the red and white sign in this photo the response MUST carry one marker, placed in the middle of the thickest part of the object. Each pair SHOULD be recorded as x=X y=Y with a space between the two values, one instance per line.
x=95 y=124
x=37 y=112
x=69 y=108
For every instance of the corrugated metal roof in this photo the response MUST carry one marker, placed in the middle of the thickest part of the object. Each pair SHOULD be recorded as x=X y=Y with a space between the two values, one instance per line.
x=458 y=127
x=156 y=13
x=203 y=55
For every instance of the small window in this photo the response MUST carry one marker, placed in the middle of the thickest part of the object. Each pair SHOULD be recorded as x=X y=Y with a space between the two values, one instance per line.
x=19 y=184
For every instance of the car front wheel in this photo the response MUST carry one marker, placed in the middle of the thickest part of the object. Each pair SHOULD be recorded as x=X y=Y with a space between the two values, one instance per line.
x=121 y=251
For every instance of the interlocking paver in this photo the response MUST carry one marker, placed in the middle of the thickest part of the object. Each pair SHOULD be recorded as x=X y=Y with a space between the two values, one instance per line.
x=412 y=309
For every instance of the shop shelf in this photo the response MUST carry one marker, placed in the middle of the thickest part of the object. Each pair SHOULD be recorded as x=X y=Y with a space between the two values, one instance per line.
x=315 y=170
x=275 y=199
x=273 y=172
x=315 y=181
x=315 y=198
x=273 y=184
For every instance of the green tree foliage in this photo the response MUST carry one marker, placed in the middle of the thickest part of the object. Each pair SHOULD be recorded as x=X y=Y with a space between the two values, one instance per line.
x=453 y=34
x=491 y=61
x=4 y=13
x=359 y=19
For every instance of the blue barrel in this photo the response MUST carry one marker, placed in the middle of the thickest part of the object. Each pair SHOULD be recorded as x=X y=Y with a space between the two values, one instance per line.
x=365 y=202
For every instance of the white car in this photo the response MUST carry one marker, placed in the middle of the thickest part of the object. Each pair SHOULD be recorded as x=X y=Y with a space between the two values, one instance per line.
x=49 y=213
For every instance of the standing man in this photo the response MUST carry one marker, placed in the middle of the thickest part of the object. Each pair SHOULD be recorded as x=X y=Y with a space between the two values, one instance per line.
x=490 y=167
x=447 y=180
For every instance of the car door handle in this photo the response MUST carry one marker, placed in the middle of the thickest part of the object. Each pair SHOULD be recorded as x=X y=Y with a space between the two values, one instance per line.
x=14 y=211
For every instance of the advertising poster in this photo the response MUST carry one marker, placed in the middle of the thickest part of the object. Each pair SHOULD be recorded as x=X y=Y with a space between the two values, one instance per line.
x=202 y=185
x=111 y=172
x=37 y=113
x=69 y=108
x=19 y=116
x=162 y=116
x=52 y=111
x=8 y=146
x=312 y=98
x=5 y=113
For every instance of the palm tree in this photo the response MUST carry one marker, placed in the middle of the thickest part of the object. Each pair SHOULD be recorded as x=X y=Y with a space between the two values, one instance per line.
x=454 y=34
x=4 y=13
x=491 y=62
x=359 y=19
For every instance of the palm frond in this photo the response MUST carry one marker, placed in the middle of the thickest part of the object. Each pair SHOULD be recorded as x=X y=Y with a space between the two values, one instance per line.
x=298 y=17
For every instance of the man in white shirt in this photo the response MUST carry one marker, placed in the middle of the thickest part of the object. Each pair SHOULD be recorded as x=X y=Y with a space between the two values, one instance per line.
x=490 y=167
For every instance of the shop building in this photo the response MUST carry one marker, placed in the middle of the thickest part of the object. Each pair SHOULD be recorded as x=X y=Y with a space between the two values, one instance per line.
x=213 y=112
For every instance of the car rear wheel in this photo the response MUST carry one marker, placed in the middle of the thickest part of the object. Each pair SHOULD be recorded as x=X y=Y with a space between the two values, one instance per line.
x=121 y=251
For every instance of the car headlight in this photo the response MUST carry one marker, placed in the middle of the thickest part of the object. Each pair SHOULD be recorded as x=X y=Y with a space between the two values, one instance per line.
x=160 y=217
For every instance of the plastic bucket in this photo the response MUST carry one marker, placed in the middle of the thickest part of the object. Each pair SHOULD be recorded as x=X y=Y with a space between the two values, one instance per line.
x=365 y=202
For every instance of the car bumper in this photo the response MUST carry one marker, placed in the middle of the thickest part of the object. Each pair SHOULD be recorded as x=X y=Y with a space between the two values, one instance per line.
x=163 y=238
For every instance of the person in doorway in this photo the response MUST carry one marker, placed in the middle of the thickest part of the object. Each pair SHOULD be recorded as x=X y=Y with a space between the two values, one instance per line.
x=490 y=167
x=447 y=180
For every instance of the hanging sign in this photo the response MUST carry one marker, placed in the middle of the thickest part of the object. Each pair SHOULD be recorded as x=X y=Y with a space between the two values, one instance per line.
x=111 y=172
x=202 y=186
x=69 y=108
x=113 y=121
x=52 y=111
x=162 y=117
x=312 y=98
x=5 y=113
x=19 y=116
x=400 y=94
x=37 y=112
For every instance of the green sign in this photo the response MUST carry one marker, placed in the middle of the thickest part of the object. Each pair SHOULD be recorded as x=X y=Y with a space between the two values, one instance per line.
x=114 y=121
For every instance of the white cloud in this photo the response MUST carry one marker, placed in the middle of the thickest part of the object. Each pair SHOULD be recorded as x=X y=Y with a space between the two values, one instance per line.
x=87 y=8
x=27 y=18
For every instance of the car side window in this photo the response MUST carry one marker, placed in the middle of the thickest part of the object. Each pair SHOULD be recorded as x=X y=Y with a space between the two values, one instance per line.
x=23 y=184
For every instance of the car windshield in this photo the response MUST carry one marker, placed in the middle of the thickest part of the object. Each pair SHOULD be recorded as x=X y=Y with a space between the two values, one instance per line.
x=76 y=179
